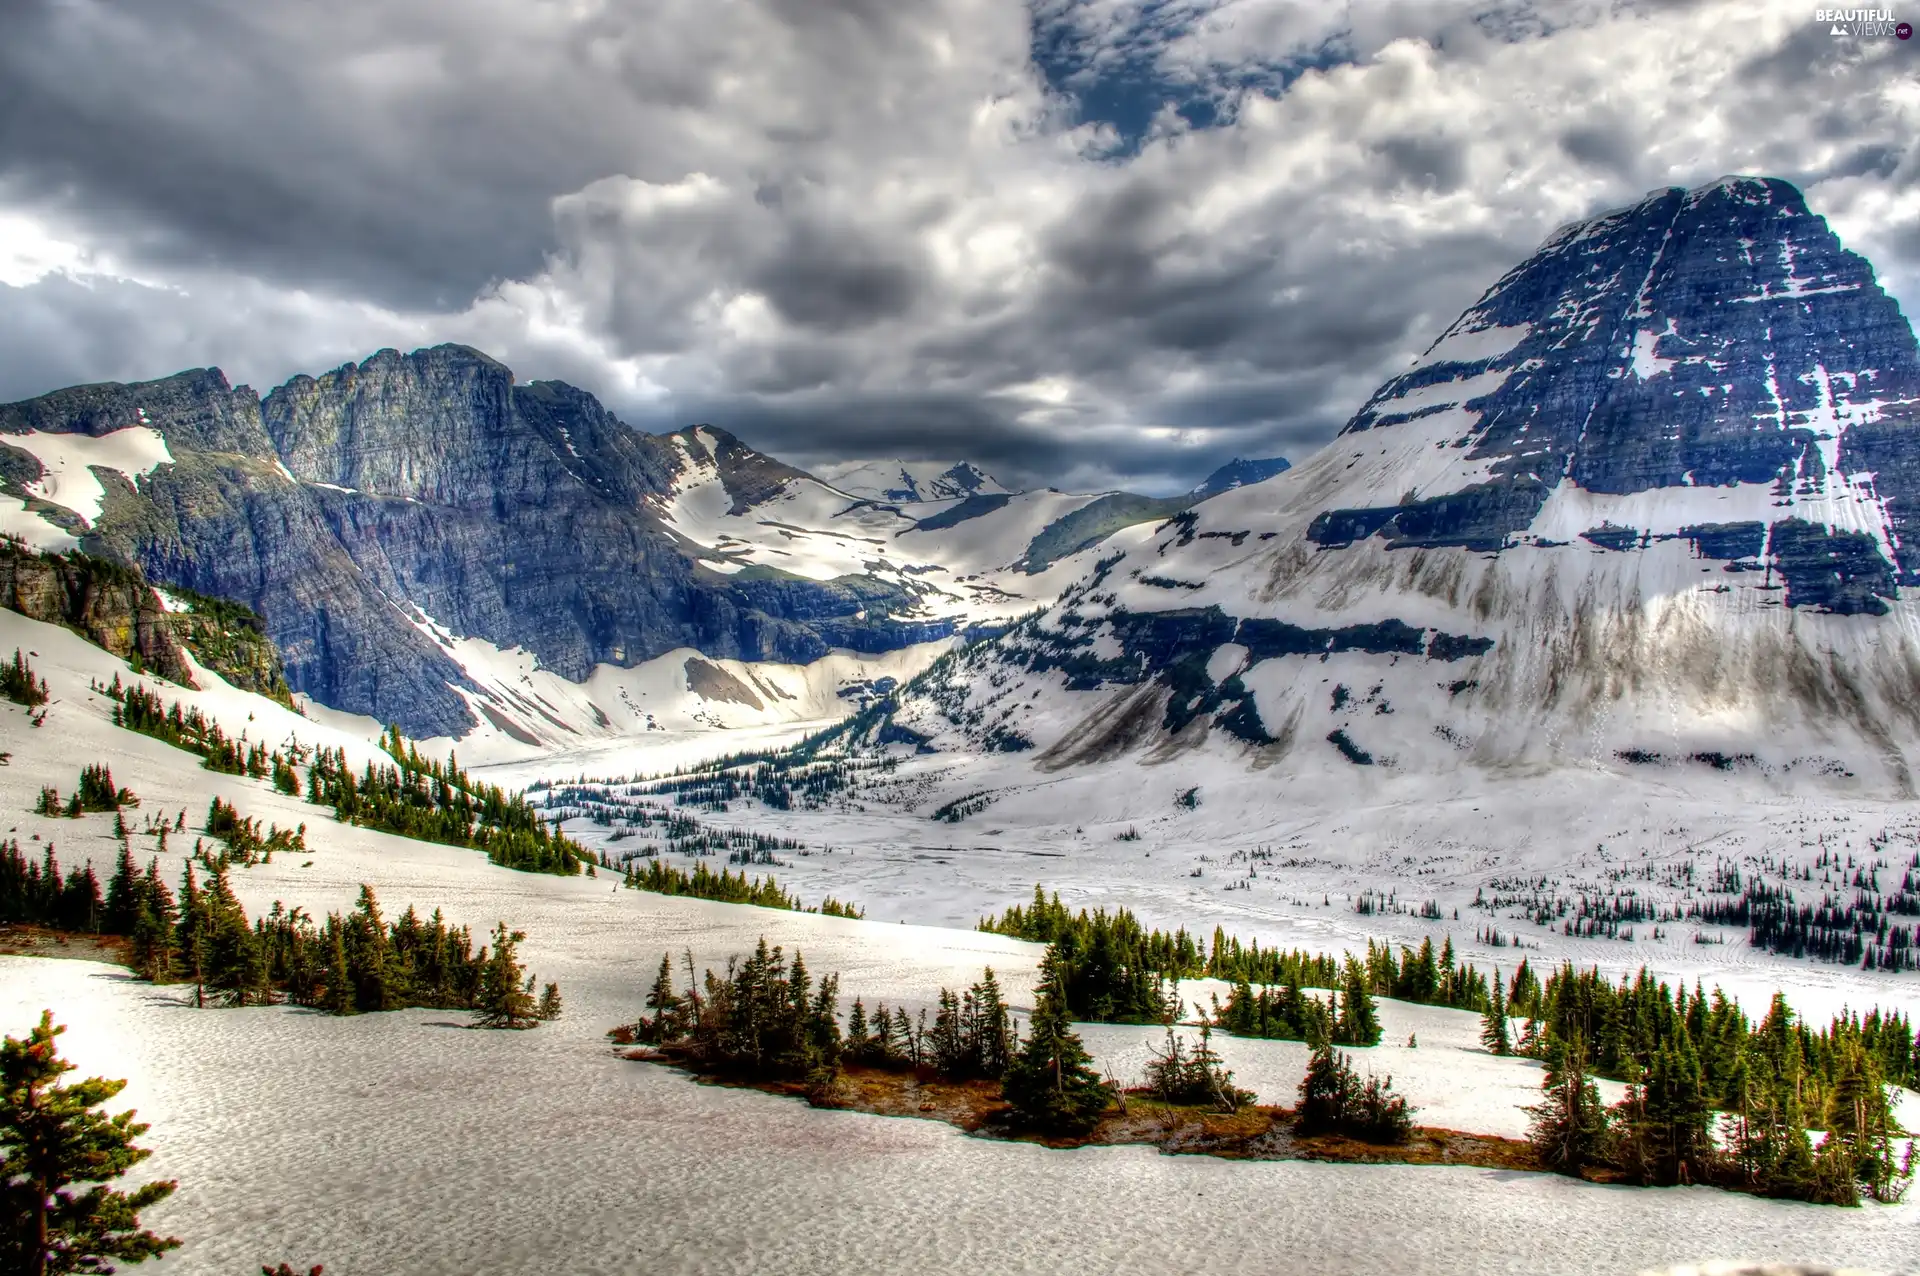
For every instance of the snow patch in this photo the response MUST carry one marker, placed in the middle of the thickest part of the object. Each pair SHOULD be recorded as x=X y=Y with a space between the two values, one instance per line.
x=67 y=460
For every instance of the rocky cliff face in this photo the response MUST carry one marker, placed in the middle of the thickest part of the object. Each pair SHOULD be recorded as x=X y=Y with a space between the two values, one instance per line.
x=110 y=605
x=1650 y=502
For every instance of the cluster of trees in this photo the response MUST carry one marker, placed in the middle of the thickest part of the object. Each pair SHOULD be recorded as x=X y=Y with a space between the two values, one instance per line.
x=138 y=709
x=94 y=793
x=439 y=802
x=20 y=684
x=1694 y=1061
x=246 y=843
x=1192 y=1076
x=762 y=1018
x=727 y=887
x=1334 y=1100
x=1662 y=1132
x=1625 y=1024
x=1348 y=1017
x=1858 y=931
x=765 y=1018
x=413 y=797
x=345 y=965
x=36 y=894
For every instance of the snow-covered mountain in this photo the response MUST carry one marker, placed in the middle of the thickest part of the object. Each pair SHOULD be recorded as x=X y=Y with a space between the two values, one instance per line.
x=425 y=534
x=914 y=481
x=1650 y=503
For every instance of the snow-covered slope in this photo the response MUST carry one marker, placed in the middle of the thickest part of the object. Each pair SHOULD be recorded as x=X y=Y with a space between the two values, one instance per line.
x=1647 y=505
x=959 y=559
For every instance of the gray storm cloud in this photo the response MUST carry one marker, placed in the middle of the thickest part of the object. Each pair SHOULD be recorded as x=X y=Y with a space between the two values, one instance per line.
x=859 y=229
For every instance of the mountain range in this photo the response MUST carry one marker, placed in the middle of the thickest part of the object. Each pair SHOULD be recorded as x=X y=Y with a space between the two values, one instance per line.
x=436 y=544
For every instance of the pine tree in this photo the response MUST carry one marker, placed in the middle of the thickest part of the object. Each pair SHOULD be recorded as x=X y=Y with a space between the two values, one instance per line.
x=1328 y=1093
x=123 y=895
x=1493 y=1024
x=503 y=1002
x=549 y=1003
x=1051 y=1085
x=338 y=997
x=1569 y=1127
x=51 y=1139
x=664 y=1023
x=1359 y=1023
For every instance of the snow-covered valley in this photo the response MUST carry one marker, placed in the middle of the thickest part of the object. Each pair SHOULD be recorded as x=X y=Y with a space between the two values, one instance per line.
x=400 y=1142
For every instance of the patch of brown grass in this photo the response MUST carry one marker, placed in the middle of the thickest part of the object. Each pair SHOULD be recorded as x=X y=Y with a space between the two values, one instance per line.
x=19 y=940
x=1255 y=1132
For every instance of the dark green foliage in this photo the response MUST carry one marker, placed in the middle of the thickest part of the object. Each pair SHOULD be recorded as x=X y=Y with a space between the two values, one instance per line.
x=887 y=1038
x=1051 y=1086
x=96 y=791
x=51 y=1141
x=972 y=1035
x=1129 y=951
x=725 y=886
x=246 y=843
x=1358 y=1024
x=1287 y=1013
x=1333 y=1100
x=36 y=893
x=19 y=684
x=764 y=1018
x=138 y=709
x=1661 y=1129
x=1493 y=1022
x=503 y=1000
x=439 y=802
x=666 y=1022
x=414 y=797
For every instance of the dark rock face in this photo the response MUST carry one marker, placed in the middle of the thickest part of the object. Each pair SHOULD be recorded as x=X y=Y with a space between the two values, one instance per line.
x=1239 y=473
x=1697 y=339
x=431 y=483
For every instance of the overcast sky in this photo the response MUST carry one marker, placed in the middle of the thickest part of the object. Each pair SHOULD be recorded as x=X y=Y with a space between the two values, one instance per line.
x=1083 y=242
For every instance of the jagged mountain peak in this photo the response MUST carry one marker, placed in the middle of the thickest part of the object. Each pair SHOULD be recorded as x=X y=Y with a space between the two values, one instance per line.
x=1650 y=501
x=1238 y=473
x=912 y=482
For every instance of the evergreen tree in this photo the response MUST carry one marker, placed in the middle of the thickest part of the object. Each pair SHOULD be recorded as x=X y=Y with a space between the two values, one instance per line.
x=123 y=895
x=1051 y=1085
x=503 y=1001
x=1569 y=1127
x=549 y=1002
x=337 y=997
x=52 y=1139
x=1860 y=1123
x=664 y=1023
x=1493 y=1023
x=1359 y=1022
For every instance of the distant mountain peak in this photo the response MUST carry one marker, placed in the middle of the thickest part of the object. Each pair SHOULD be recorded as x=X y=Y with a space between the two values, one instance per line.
x=1239 y=472
x=914 y=481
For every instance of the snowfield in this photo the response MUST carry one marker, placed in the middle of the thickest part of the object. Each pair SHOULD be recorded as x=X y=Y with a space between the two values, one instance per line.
x=407 y=1143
